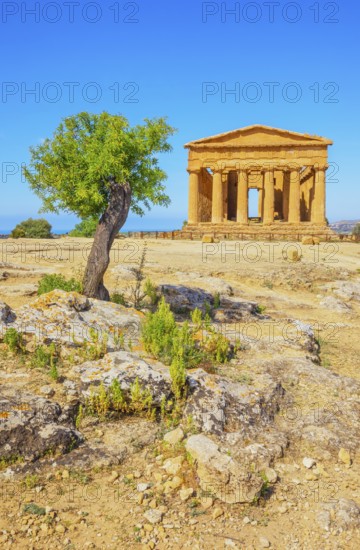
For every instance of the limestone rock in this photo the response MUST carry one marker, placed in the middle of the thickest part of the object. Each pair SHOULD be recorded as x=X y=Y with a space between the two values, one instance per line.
x=344 y=456
x=69 y=318
x=234 y=309
x=6 y=314
x=343 y=514
x=125 y=367
x=172 y=466
x=271 y=475
x=153 y=516
x=309 y=462
x=185 y=494
x=219 y=474
x=214 y=402
x=174 y=437
x=31 y=425
x=264 y=542
x=47 y=391
x=218 y=512
x=346 y=290
x=184 y=299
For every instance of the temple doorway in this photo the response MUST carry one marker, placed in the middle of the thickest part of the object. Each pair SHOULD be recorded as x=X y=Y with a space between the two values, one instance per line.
x=253 y=203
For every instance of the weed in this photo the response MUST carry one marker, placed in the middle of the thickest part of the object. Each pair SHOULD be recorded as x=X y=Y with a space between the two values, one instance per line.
x=55 y=281
x=217 y=300
x=31 y=481
x=178 y=376
x=34 y=509
x=14 y=341
x=151 y=291
x=118 y=298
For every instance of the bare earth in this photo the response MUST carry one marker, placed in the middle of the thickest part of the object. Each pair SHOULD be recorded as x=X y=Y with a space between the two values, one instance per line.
x=98 y=509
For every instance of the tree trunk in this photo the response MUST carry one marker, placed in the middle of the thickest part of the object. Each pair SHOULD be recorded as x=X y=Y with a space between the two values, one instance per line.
x=109 y=226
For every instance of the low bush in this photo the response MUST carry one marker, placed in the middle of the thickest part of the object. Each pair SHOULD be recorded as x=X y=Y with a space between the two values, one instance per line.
x=200 y=343
x=158 y=332
x=58 y=282
x=14 y=340
x=105 y=402
x=32 y=229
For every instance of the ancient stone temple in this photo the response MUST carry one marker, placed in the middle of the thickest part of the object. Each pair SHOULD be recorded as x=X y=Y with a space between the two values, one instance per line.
x=286 y=169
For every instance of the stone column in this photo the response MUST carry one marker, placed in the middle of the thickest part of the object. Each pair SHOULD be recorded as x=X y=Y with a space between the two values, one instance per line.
x=286 y=190
x=318 y=207
x=294 y=196
x=193 y=212
x=242 y=197
x=217 y=198
x=268 y=196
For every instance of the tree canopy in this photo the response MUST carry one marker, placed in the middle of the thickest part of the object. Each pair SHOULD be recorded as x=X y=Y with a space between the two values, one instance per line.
x=73 y=170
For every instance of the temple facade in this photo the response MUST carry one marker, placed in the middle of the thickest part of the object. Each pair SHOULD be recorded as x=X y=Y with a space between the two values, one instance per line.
x=288 y=170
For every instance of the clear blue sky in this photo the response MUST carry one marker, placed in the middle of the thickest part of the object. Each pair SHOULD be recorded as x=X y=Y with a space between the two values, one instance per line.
x=168 y=50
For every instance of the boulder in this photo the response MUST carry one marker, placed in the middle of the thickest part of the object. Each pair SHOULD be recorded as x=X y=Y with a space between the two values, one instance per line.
x=217 y=405
x=174 y=437
x=183 y=299
x=125 y=367
x=6 y=314
x=234 y=309
x=31 y=426
x=220 y=474
x=342 y=514
x=70 y=319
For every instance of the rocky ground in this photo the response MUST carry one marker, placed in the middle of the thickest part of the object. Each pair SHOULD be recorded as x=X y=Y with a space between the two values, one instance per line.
x=265 y=452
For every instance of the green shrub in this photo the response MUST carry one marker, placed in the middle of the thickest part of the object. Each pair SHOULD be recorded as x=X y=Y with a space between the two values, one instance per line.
x=184 y=343
x=158 y=332
x=51 y=282
x=109 y=400
x=14 y=340
x=118 y=298
x=54 y=373
x=178 y=376
x=86 y=228
x=217 y=300
x=151 y=291
x=43 y=357
x=34 y=509
x=216 y=346
x=32 y=229
x=196 y=317
x=165 y=340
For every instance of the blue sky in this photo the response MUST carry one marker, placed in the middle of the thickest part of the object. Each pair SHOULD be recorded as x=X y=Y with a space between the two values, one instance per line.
x=147 y=59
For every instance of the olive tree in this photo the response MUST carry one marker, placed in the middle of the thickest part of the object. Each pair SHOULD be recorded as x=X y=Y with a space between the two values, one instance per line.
x=97 y=165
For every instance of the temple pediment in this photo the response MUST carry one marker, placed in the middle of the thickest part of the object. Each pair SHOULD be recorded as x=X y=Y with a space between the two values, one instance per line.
x=259 y=136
